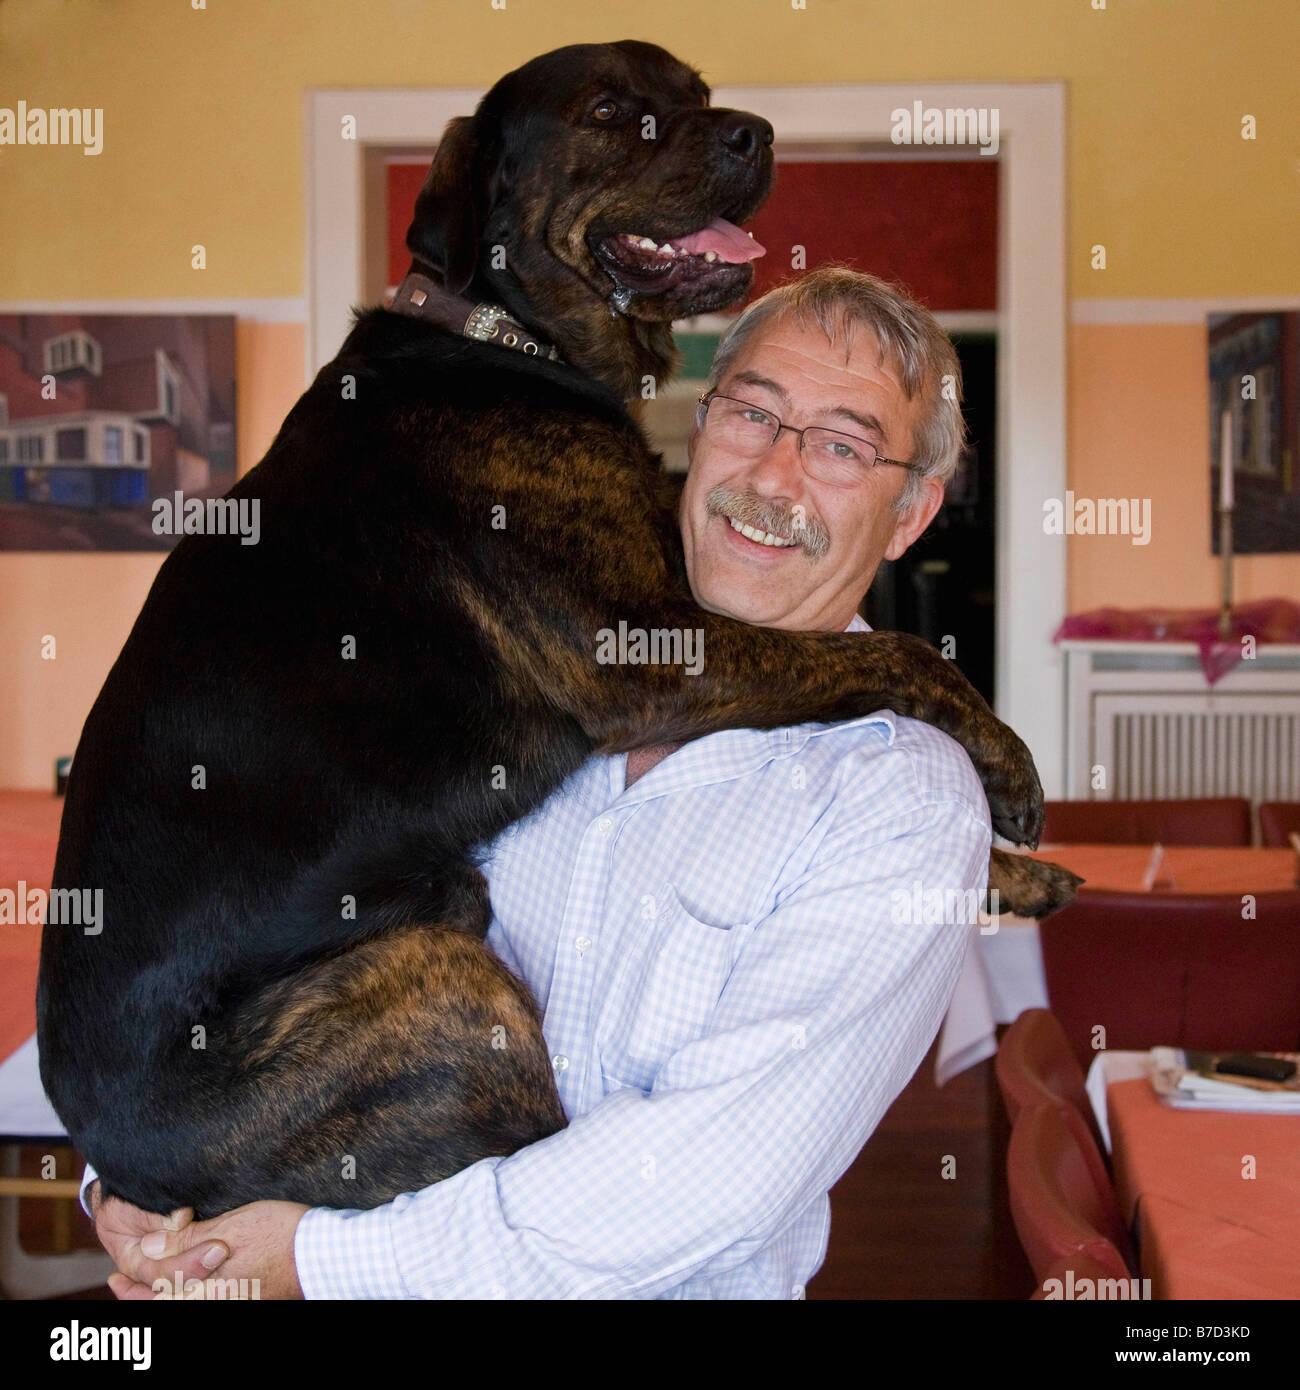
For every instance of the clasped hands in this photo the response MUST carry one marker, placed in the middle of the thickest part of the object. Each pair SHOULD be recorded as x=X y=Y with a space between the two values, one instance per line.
x=177 y=1257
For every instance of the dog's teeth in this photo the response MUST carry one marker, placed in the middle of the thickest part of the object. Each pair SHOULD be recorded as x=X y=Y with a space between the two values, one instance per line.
x=750 y=235
x=669 y=247
x=647 y=244
x=710 y=255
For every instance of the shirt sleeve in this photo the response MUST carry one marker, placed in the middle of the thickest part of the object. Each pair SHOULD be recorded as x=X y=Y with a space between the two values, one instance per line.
x=828 y=1012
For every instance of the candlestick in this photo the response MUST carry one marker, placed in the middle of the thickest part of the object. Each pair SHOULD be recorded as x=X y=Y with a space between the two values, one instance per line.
x=1225 y=462
x=1225 y=558
x=1225 y=523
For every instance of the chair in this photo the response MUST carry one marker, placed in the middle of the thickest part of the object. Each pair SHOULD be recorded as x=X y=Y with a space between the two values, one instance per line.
x=1184 y=971
x=1036 y=1064
x=1061 y=1208
x=1220 y=820
x=1277 y=821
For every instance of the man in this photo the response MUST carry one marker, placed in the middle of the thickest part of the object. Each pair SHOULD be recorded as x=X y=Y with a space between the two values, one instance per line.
x=735 y=980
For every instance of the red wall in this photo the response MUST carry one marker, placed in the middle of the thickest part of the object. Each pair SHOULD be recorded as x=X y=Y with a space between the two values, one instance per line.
x=930 y=225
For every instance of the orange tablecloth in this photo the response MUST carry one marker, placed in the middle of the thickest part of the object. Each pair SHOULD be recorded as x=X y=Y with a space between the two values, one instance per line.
x=1189 y=868
x=1205 y=1230
x=29 y=835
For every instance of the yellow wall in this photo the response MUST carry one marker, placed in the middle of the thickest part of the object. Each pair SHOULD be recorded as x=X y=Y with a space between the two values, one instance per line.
x=203 y=126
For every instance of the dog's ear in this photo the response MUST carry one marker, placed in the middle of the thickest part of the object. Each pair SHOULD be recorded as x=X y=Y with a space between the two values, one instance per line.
x=452 y=206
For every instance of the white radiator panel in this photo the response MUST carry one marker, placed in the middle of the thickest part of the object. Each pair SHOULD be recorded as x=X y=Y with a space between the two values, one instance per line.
x=1142 y=720
x=1166 y=745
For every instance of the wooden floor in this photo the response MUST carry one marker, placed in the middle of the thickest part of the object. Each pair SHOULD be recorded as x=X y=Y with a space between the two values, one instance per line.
x=900 y=1229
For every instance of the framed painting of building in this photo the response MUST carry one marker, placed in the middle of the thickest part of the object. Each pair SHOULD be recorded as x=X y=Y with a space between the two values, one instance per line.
x=103 y=414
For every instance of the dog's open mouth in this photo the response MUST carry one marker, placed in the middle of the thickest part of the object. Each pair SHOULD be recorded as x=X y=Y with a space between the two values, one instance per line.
x=649 y=264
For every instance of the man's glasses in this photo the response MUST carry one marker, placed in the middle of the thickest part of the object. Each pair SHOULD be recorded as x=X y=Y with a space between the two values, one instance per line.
x=750 y=430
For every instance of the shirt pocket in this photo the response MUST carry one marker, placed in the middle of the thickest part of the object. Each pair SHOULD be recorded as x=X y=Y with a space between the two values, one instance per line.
x=666 y=991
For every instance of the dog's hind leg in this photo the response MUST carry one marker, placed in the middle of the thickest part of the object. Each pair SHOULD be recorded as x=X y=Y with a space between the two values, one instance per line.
x=1028 y=887
x=378 y=1071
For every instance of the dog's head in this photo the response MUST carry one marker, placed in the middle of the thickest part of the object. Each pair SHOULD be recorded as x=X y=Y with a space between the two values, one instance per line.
x=597 y=195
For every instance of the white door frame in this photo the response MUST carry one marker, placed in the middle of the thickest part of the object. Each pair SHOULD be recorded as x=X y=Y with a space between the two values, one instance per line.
x=1029 y=564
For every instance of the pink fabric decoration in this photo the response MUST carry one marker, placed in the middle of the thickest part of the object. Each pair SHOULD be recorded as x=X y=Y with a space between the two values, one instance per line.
x=1267 y=620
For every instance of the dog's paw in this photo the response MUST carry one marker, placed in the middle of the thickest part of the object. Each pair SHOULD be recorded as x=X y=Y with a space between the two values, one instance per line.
x=1015 y=795
x=1028 y=887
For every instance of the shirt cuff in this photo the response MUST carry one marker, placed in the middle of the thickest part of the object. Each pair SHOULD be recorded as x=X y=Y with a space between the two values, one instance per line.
x=348 y=1254
x=87 y=1178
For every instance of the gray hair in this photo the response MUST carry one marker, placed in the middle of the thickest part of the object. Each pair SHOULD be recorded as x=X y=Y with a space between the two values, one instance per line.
x=908 y=336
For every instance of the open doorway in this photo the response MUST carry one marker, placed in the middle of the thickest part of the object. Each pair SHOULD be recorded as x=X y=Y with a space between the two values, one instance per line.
x=1024 y=335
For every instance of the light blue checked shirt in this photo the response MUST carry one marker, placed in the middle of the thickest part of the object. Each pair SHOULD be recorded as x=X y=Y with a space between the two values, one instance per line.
x=731 y=1004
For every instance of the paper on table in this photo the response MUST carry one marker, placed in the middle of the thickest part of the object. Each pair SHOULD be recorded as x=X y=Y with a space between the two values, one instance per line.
x=1189 y=1090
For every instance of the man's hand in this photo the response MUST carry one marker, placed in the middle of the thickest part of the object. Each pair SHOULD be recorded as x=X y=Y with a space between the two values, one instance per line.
x=250 y=1242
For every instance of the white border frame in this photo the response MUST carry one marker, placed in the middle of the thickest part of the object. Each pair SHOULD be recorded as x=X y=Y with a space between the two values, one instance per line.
x=1031 y=421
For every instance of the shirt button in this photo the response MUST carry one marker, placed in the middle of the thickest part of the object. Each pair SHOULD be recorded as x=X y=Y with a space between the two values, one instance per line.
x=582 y=944
x=605 y=825
x=560 y=1063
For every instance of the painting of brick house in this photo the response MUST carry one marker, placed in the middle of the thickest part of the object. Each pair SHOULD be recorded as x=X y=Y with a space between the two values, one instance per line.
x=102 y=413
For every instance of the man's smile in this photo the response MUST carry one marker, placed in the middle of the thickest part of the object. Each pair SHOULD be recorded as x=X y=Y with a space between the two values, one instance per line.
x=760 y=538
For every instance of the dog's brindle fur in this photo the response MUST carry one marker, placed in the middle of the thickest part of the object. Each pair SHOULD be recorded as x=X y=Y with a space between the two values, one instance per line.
x=291 y=968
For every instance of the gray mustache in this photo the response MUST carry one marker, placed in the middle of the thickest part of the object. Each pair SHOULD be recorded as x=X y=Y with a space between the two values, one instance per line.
x=764 y=514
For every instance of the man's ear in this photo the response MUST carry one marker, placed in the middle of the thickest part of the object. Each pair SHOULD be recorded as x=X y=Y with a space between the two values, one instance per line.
x=916 y=518
x=452 y=207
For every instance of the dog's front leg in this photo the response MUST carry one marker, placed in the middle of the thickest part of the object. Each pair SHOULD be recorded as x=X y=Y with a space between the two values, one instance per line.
x=741 y=676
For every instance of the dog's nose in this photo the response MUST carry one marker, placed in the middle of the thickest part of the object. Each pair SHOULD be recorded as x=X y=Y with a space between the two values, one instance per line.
x=746 y=136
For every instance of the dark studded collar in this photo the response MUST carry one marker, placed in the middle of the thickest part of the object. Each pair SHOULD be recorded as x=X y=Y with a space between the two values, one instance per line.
x=420 y=297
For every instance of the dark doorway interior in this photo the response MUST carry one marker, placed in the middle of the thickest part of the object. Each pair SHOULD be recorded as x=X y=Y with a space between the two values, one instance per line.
x=943 y=587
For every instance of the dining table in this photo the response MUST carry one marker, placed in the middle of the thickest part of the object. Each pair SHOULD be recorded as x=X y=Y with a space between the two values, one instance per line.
x=1212 y=1196
x=1002 y=974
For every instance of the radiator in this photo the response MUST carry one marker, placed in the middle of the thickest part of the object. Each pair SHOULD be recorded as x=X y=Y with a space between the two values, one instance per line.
x=1159 y=747
x=1141 y=722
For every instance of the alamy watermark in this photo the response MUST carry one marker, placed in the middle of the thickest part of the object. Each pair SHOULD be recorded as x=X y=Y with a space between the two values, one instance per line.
x=948 y=125
x=1103 y=1290
x=57 y=907
x=959 y=907
x=656 y=646
x=72 y=1342
x=60 y=125
x=179 y=515
x=207 y=1290
x=1098 y=516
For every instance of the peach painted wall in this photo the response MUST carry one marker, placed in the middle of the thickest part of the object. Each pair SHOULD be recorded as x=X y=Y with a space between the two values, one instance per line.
x=1138 y=407
x=87 y=603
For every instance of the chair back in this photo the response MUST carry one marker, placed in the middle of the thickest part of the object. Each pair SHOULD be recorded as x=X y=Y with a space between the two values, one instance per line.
x=1035 y=1063
x=1278 y=821
x=1139 y=970
x=1220 y=820
x=1060 y=1206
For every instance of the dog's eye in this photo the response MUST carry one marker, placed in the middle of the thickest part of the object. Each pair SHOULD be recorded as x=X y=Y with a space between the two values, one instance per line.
x=604 y=111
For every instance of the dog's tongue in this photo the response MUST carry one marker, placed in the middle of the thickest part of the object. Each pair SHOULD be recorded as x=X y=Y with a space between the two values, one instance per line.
x=723 y=238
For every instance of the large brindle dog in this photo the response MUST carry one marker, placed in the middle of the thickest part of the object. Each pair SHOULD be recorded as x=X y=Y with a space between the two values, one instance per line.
x=281 y=788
